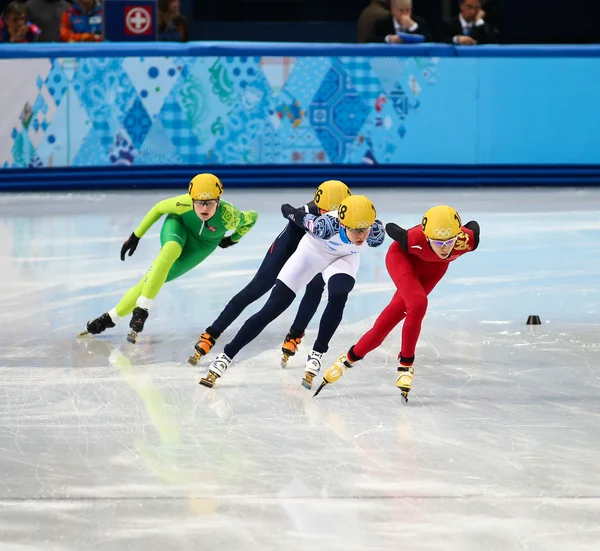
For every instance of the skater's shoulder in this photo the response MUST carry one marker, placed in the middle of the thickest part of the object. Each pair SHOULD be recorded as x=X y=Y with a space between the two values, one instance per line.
x=177 y=204
x=468 y=238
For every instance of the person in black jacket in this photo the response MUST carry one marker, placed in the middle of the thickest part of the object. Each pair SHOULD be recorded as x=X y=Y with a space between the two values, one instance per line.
x=400 y=20
x=468 y=27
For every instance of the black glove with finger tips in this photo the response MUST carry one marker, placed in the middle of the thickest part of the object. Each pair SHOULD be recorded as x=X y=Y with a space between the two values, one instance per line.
x=227 y=242
x=130 y=245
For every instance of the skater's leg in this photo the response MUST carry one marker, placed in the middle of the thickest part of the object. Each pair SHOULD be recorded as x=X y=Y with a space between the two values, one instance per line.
x=279 y=300
x=338 y=289
x=306 y=311
x=278 y=254
x=308 y=305
x=126 y=305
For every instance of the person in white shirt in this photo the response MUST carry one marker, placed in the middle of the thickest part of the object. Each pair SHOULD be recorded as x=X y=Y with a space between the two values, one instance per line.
x=330 y=247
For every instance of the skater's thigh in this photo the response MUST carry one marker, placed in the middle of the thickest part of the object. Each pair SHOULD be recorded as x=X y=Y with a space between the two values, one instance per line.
x=277 y=255
x=193 y=254
x=302 y=266
x=173 y=229
x=345 y=265
x=430 y=280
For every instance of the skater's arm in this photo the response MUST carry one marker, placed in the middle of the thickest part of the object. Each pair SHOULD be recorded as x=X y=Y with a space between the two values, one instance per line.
x=301 y=217
x=376 y=235
x=241 y=221
x=174 y=205
x=398 y=234
x=323 y=227
x=473 y=227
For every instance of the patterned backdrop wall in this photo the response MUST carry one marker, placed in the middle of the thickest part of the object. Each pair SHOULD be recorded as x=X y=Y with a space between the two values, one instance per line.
x=297 y=110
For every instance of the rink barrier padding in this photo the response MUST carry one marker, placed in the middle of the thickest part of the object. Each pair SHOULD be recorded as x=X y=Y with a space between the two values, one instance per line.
x=115 y=115
x=132 y=177
x=215 y=48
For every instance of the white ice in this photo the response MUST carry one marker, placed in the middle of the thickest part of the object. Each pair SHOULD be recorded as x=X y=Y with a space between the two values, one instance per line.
x=110 y=446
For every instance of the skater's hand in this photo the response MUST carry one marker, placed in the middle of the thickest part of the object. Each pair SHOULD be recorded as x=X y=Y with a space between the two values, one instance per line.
x=288 y=211
x=130 y=245
x=226 y=242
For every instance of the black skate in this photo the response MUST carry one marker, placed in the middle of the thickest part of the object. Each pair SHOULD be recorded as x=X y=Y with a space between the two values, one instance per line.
x=97 y=326
x=138 y=318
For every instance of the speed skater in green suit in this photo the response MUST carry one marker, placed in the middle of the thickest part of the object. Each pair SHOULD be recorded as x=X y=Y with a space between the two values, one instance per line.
x=195 y=226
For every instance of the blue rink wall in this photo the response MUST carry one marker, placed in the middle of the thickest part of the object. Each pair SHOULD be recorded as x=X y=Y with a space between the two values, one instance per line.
x=123 y=115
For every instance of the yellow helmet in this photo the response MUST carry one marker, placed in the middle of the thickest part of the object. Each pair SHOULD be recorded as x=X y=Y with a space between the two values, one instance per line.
x=205 y=187
x=330 y=194
x=357 y=212
x=441 y=222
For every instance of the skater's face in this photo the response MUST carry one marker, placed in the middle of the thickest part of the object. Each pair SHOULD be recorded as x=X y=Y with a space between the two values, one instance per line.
x=358 y=237
x=442 y=248
x=205 y=210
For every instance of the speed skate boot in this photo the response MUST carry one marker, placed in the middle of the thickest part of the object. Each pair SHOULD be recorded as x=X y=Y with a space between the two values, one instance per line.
x=205 y=342
x=335 y=372
x=313 y=366
x=138 y=318
x=97 y=326
x=216 y=370
x=405 y=378
x=290 y=347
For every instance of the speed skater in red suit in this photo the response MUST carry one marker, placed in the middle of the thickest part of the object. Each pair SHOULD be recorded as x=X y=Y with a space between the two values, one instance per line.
x=416 y=262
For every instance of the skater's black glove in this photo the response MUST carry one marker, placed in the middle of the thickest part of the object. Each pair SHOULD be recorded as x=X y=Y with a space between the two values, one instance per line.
x=227 y=242
x=288 y=211
x=130 y=245
x=397 y=234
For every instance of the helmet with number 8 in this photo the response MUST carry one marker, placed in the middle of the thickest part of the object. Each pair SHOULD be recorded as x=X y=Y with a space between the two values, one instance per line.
x=205 y=187
x=357 y=212
x=441 y=222
x=330 y=194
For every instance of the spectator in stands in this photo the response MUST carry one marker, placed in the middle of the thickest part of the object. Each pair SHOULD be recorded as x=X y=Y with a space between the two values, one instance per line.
x=82 y=22
x=377 y=9
x=46 y=14
x=14 y=26
x=402 y=20
x=171 y=24
x=468 y=27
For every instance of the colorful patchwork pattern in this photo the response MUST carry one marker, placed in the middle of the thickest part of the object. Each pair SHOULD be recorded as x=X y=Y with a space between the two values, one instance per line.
x=213 y=110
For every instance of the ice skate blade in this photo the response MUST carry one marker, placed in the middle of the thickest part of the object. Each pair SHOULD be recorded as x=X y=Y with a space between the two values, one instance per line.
x=284 y=361
x=205 y=382
x=83 y=334
x=193 y=360
x=132 y=337
x=308 y=380
x=209 y=381
x=323 y=385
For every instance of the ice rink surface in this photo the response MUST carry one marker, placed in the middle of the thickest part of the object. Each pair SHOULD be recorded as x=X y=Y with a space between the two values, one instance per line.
x=106 y=445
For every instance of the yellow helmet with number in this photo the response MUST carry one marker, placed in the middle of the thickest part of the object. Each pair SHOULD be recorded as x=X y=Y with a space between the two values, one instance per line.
x=441 y=222
x=357 y=212
x=205 y=187
x=330 y=194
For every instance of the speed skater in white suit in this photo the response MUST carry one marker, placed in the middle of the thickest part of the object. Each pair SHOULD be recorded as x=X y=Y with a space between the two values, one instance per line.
x=330 y=247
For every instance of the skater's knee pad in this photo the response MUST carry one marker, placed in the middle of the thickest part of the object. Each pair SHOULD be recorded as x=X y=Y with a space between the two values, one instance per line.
x=339 y=286
x=282 y=294
x=417 y=303
x=316 y=285
x=171 y=250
